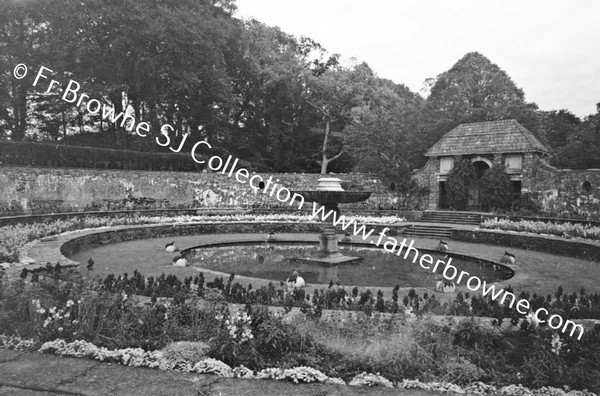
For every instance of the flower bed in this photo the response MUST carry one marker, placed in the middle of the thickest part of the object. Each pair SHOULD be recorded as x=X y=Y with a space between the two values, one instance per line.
x=105 y=320
x=565 y=230
x=137 y=357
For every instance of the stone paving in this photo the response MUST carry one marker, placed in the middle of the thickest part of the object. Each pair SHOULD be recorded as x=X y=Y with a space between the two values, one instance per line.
x=32 y=374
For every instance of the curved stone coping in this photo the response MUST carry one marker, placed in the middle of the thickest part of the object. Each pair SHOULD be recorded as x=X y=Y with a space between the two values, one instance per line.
x=55 y=248
x=589 y=250
x=506 y=274
x=90 y=238
x=130 y=233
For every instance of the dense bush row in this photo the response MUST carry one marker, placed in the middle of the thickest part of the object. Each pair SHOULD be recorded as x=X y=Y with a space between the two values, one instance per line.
x=570 y=306
x=398 y=347
x=63 y=156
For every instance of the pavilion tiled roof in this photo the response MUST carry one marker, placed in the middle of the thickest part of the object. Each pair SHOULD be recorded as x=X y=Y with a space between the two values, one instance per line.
x=491 y=137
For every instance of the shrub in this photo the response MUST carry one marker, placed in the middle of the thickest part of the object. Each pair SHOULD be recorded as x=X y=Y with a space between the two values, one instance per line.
x=496 y=189
x=457 y=184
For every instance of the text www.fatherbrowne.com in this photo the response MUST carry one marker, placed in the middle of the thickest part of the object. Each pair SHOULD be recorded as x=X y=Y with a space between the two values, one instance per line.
x=256 y=182
x=449 y=271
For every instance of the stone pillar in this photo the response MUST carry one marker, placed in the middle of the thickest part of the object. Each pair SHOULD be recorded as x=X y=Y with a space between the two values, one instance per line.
x=527 y=184
x=434 y=184
x=498 y=160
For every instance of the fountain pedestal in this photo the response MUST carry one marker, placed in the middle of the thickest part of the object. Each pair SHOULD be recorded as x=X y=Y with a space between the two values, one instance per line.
x=329 y=193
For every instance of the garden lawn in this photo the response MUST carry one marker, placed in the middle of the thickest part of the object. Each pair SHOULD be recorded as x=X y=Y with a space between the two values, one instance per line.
x=535 y=272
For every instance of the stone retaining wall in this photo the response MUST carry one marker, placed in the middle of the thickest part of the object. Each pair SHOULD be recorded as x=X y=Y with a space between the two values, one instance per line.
x=28 y=190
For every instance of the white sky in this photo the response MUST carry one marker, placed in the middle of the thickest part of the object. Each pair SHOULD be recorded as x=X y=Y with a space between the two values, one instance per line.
x=550 y=48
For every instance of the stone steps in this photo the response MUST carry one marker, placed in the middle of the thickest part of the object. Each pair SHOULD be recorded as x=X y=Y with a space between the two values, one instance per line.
x=427 y=231
x=468 y=218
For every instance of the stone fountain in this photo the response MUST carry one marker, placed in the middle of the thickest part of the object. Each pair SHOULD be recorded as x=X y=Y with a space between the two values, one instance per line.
x=330 y=194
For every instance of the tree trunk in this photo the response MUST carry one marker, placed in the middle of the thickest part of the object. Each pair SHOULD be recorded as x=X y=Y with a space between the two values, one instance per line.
x=64 y=124
x=22 y=112
x=325 y=161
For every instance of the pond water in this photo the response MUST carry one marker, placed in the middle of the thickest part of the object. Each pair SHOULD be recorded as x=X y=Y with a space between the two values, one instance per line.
x=274 y=262
x=377 y=267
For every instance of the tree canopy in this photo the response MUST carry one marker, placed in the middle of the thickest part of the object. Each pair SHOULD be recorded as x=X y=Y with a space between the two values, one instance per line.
x=281 y=102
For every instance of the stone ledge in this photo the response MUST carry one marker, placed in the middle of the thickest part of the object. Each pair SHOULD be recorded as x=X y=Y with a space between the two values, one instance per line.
x=530 y=241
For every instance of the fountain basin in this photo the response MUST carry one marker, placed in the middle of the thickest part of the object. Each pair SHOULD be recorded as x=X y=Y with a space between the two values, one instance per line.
x=330 y=193
x=334 y=197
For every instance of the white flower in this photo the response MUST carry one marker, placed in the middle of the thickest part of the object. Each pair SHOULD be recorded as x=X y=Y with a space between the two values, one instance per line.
x=556 y=344
x=70 y=303
x=365 y=379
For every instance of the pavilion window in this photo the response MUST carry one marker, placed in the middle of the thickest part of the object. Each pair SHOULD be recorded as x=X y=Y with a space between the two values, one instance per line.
x=446 y=164
x=514 y=162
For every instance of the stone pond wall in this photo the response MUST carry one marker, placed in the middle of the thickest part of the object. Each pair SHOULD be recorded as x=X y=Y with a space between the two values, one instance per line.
x=28 y=190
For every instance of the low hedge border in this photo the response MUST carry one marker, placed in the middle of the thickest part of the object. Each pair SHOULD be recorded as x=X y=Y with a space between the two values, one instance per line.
x=43 y=218
x=544 y=243
x=59 y=155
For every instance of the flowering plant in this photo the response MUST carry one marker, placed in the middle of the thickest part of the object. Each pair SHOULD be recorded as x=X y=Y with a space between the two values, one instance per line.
x=368 y=379
x=57 y=320
x=238 y=327
x=565 y=230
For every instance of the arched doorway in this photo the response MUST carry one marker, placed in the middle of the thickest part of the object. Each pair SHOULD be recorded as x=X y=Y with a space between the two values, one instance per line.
x=481 y=165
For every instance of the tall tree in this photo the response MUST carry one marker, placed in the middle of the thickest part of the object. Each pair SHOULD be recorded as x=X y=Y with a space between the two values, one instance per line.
x=474 y=89
x=384 y=131
x=333 y=94
x=23 y=38
x=559 y=126
x=582 y=150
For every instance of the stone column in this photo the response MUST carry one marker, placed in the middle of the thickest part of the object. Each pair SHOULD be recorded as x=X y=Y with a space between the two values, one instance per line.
x=328 y=246
x=498 y=160
x=434 y=184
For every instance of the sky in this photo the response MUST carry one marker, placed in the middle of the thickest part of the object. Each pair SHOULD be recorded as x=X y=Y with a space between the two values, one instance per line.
x=550 y=48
